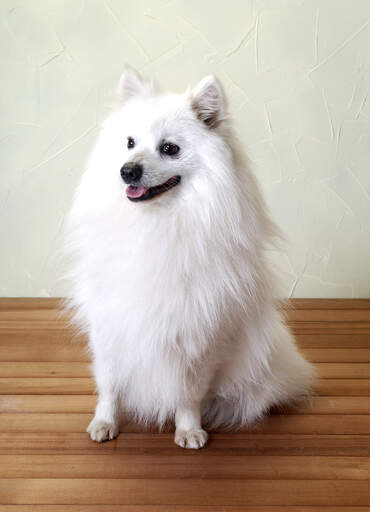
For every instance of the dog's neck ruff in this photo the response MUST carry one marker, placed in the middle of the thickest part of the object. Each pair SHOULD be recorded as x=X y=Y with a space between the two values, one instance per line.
x=142 y=193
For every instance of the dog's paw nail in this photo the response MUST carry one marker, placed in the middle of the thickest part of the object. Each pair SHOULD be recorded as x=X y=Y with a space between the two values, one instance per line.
x=191 y=439
x=101 y=430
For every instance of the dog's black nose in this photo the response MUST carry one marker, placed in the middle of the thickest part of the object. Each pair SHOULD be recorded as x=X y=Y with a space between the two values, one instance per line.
x=131 y=172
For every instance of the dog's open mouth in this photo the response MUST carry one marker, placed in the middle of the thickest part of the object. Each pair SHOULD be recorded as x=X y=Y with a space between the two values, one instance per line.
x=141 y=193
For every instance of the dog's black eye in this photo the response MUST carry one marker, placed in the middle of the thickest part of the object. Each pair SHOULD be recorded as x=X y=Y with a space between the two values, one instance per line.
x=130 y=142
x=169 y=149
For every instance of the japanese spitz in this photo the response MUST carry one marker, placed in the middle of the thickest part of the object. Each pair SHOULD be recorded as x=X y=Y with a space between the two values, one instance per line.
x=171 y=279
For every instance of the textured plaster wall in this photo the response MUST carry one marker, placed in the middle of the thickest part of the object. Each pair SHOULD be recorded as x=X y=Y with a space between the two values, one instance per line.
x=298 y=76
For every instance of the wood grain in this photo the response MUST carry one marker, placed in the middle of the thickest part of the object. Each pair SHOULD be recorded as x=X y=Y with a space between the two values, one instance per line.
x=86 y=404
x=343 y=370
x=185 y=492
x=337 y=355
x=161 y=444
x=294 y=424
x=42 y=369
x=176 y=466
x=311 y=457
x=53 y=403
x=173 y=508
x=82 y=386
x=56 y=369
x=47 y=386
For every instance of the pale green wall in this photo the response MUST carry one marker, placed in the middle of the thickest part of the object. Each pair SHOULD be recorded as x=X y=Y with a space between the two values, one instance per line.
x=298 y=76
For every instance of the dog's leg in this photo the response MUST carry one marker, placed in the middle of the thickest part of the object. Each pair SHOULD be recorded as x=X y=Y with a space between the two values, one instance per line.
x=105 y=424
x=189 y=432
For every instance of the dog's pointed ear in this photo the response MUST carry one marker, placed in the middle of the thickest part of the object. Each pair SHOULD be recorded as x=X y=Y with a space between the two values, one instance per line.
x=208 y=101
x=131 y=84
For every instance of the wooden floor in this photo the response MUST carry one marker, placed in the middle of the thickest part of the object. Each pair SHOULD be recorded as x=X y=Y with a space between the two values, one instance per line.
x=305 y=460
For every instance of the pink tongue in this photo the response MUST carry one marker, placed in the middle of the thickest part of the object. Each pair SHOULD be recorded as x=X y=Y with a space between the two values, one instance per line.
x=132 y=191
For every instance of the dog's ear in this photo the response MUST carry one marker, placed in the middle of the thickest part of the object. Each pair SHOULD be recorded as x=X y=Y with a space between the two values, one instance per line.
x=131 y=84
x=208 y=101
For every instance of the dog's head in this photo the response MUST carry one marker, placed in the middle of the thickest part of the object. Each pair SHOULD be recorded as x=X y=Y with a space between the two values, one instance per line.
x=162 y=143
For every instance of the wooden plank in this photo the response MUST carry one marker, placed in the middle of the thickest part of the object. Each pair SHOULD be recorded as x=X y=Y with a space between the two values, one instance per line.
x=31 y=315
x=49 y=403
x=314 y=424
x=334 y=341
x=86 y=404
x=10 y=338
x=274 y=424
x=47 y=386
x=329 y=303
x=337 y=355
x=24 y=303
x=171 y=508
x=186 y=492
x=47 y=347
x=162 y=444
x=19 y=324
x=328 y=315
x=82 y=369
x=23 y=325
x=38 y=317
x=343 y=370
x=54 y=350
x=13 y=350
x=225 y=467
x=343 y=387
x=329 y=327
x=45 y=422
x=341 y=315
x=53 y=336
x=328 y=405
x=11 y=303
x=83 y=386
x=44 y=369
x=42 y=345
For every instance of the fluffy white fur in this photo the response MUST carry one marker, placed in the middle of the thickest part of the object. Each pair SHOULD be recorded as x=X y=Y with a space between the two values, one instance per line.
x=175 y=292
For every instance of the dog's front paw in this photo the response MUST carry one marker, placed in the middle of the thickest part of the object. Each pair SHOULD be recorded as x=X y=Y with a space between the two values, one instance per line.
x=100 y=430
x=193 y=439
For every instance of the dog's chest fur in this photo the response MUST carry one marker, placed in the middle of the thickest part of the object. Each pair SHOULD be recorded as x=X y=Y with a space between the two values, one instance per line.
x=163 y=278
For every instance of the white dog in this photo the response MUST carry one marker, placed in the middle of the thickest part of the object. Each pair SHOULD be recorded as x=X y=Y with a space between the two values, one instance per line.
x=171 y=281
